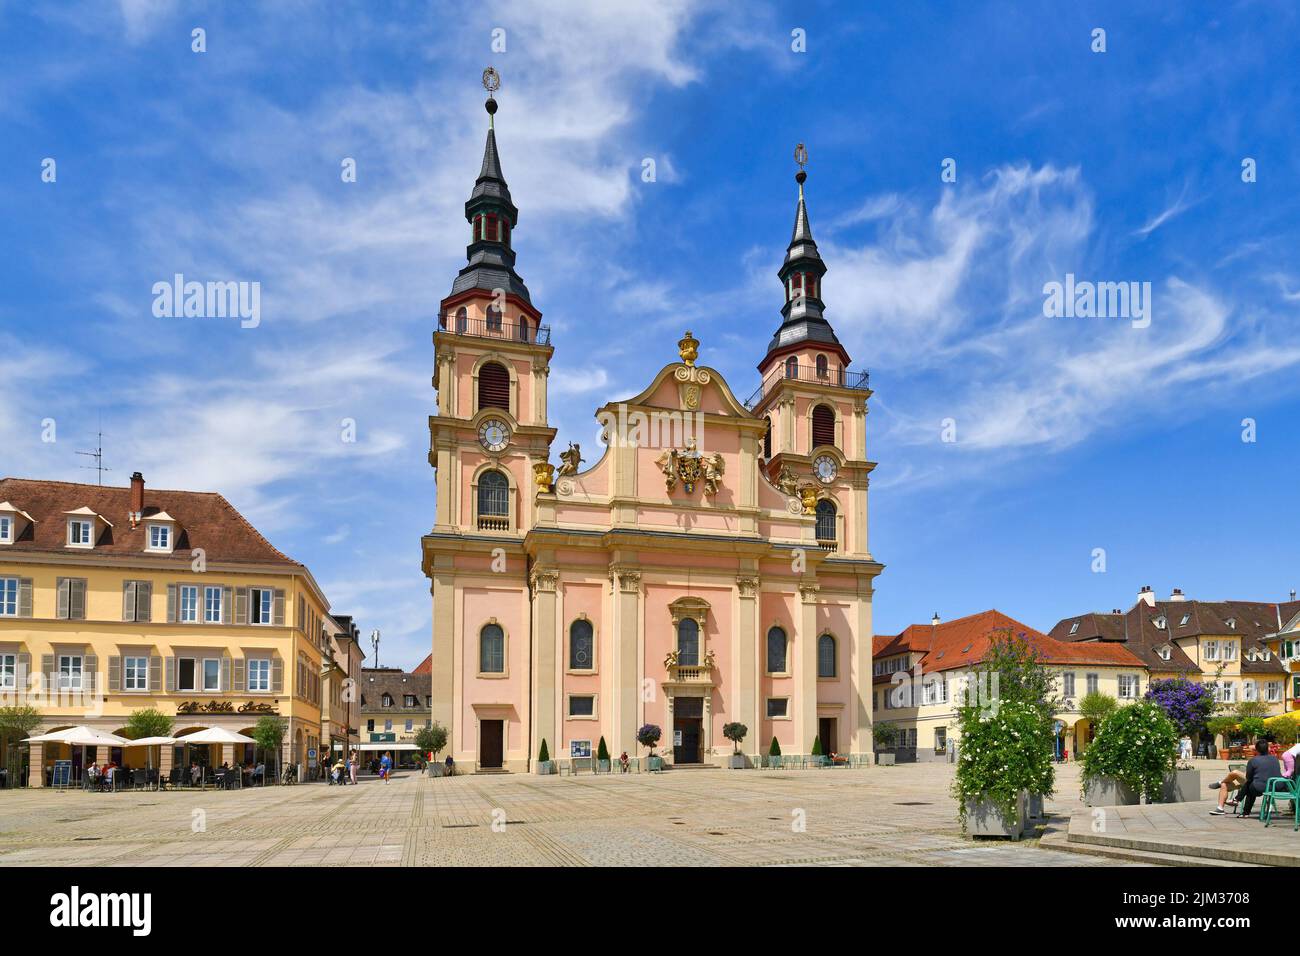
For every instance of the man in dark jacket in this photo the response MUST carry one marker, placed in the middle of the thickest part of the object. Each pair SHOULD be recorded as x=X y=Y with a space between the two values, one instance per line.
x=1259 y=770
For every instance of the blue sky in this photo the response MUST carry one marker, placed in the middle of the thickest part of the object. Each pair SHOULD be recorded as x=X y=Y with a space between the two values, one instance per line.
x=1072 y=433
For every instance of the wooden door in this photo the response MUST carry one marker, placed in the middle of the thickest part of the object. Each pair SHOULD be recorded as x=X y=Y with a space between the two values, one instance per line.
x=491 y=743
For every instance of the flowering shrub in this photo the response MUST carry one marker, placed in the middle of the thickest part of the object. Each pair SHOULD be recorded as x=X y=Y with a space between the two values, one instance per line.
x=648 y=736
x=1137 y=745
x=1002 y=755
x=1187 y=704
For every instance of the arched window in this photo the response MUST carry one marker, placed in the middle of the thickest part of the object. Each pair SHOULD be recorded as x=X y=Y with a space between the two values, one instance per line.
x=792 y=367
x=688 y=642
x=796 y=285
x=767 y=439
x=492 y=650
x=493 y=500
x=462 y=319
x=494 y=384
x=826 y=512
x=821 y=366
x=581 y=646
x=776 y=648
x=823 y=426
x=493 y=319
x=825 y=656
x=523 y=329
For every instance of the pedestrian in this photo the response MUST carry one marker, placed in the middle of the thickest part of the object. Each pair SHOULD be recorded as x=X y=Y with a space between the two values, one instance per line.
x=356 y=758
x=385 y=767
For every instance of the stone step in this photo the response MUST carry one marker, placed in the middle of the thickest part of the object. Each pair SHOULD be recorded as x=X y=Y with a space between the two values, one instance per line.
x=1058 y=839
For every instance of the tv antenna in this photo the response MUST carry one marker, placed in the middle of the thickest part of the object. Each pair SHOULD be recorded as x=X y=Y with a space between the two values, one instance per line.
x=98 y=455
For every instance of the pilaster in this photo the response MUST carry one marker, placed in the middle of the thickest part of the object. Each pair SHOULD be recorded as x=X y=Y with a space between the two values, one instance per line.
x=745 y=654
x=625 y=667
x=806 y=649
x=544 y=584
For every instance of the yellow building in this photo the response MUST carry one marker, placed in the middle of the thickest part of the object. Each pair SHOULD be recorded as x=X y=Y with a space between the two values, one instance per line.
x=922 y=673
x=1222 y=643
x=118 y=599
x=1285 y=645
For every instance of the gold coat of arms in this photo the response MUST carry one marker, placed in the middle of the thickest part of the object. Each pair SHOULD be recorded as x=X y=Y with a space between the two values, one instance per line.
x=690 y=467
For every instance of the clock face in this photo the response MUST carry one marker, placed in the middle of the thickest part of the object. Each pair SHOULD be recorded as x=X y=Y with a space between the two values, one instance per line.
x=825 y=468
x=494 y=435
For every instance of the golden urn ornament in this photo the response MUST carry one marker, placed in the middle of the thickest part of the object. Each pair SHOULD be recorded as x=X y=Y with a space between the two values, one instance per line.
x=689 y=349
x=544 y=475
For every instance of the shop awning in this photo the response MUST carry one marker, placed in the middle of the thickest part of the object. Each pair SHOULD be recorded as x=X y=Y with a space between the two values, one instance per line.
x=385 y=747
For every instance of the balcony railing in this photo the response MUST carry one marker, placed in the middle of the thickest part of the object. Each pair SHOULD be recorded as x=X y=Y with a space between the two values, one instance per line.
x=494 y=329
x=837 y=377
x=486 y=523
x=690 y=674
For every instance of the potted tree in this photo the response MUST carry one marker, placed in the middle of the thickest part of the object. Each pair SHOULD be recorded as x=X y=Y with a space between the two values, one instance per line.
x=648 y=736
x=545 y=765
x=269 y=734
x=16 y=722
x=818 y=761
x=602 y=757
x=1188 y=706
x=885 y=734
x=431 y=740
x=774 y=753
x=735 y=732
x=1094 y=707
x=1136 y=748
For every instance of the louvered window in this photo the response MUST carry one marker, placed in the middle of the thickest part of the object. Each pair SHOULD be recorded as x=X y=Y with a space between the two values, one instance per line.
x=494 y=386
x=823 y=426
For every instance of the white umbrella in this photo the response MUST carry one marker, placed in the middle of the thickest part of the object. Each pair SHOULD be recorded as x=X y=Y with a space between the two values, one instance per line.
x=79 y=737
x=215 y=735
x=152 y=742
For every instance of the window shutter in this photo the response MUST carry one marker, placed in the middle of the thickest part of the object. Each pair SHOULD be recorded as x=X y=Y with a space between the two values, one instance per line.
x=24 y=597
x=227 y=608
x=114 y=674
x=144 y=601
x=239 y=675
x=278 y=604
x=77 y=599
x=47 y=668
x=24 y=668
x=493 y=386
x=128 y=600
x=171 y=604
x=277 y=676
x=65 y=586
x=171 y=675
x=225 y=674
x=823 y=426
x=241 y=606
x=155 y=674
x=90 y=673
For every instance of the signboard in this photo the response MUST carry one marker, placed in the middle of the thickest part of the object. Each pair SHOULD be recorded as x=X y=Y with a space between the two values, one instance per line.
x=580 y=748
x=62 y=776
x=677 y=738
x=383 y=738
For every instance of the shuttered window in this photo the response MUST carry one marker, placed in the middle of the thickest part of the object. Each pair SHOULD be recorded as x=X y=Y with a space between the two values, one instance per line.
x=823 y=426
x=494 y=386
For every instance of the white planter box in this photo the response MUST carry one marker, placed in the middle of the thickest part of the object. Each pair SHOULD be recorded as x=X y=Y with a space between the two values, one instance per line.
x=1109 y=792
x=736 y=761
x=985 y=820
x=1182 y=786
x=885 y=760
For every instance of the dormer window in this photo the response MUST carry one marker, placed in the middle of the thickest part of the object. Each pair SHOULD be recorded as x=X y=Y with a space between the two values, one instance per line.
x=81 y=533
x=13 y=521
x=1232 y=623
x=1183 y=622
x=6 y=529
x=1165 y=653
x=160 y=537
x=1160 y=622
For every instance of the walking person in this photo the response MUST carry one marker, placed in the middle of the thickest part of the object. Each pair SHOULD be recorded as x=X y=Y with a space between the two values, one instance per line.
x=385 y=767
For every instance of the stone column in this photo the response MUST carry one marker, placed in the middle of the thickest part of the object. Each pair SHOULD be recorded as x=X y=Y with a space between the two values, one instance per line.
x=544 y=584
x=228 y=754
x=863 y=688
x=36 y=768
x=166 y=760
x=626 y=667
x=746 y=654
x=806 y=669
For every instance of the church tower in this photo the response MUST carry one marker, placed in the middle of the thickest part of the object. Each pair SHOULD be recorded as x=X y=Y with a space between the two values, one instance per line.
x=492 y=357
x=815 y=406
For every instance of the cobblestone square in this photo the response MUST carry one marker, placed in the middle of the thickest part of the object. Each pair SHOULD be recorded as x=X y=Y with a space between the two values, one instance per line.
x=884 y=816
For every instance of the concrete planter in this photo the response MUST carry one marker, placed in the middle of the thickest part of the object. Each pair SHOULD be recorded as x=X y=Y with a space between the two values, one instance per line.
x=654 y=763
x=1182 y=786
x=1109 y=792
x=984 y=819
x=602 y=766
x=1034 y=808
x=436 y=770
x=885 y=759
x=736 y=762
x=545 y=767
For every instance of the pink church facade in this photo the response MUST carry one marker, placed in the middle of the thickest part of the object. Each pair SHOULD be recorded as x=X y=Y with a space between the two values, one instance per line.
x=710 y=566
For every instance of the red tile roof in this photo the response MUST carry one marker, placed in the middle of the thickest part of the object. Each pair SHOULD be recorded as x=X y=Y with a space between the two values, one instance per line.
x=203 y=520
x=425 y=666
x=964 y=642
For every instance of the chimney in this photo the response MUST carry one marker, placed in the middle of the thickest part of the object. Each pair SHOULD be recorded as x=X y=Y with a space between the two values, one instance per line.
x=1147 y=595
x=137 y=497
x=934 y=621
x=1177 y=595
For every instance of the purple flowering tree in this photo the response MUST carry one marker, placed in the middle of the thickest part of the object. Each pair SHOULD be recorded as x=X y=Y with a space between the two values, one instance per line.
x=1187 y=704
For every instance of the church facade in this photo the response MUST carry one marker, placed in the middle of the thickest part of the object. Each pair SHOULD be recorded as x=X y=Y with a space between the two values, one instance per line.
x=710 y=567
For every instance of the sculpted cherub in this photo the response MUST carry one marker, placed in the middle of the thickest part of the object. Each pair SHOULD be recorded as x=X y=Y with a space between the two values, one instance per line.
x=667 y=463
x=572 y=460
x=670 y=660
x=713 y=469
x=787 y=482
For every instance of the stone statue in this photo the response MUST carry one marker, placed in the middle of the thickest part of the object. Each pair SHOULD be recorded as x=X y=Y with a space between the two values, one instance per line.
x=572 y=460
x=667 y=463
x=708 y=658
x=787 y=482
x=713 y=469
x=670 y=659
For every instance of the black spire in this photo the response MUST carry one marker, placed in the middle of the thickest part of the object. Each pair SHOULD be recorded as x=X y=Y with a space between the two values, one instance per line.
x=801 y=275
x=492 y=217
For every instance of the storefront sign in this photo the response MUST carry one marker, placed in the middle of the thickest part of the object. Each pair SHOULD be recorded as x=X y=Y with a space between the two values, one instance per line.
x=226 y=707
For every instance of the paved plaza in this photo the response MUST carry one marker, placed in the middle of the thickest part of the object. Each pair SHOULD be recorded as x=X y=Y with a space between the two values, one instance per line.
x=884 y=816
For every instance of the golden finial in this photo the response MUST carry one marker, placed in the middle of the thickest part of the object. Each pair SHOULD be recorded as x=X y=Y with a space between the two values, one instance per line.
x=689 y=349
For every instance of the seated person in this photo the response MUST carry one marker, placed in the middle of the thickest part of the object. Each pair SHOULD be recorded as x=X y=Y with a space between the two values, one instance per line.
x=450 y=765
x=1253 y=782
x=259 y=772
x=196 y=773
x=1289 y=761
x=623 y=763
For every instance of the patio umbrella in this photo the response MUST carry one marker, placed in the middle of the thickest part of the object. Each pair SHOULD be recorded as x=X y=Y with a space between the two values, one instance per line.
x=215 y=735
x=81 y=736
x=149 y=743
